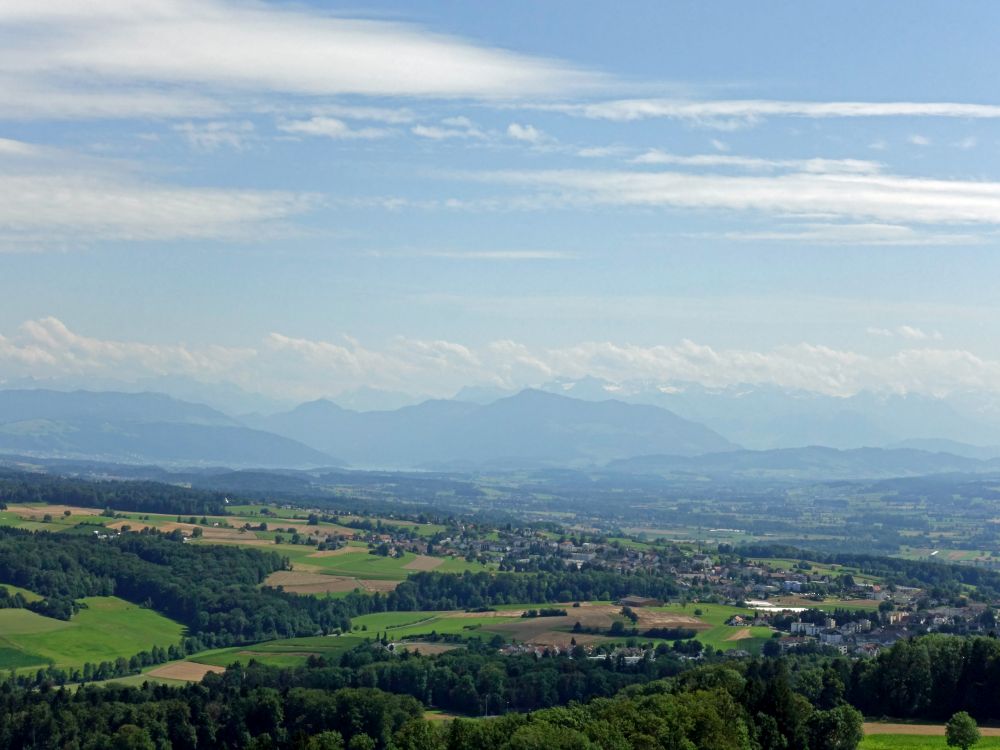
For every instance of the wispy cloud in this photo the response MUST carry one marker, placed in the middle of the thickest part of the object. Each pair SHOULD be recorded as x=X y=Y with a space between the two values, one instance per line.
x=186 y=57
x=499 y=255
x=736 y=112
x=817 y=165
x=854 y=234
x=908 y=332
x=527 y=134
x=53 y=198
x=884 y=198
x=331 y=127
x=284 y=364
x=450 y=128
x=209 y=136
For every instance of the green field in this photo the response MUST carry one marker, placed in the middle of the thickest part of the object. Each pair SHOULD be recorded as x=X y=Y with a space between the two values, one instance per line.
x=289 y=652
x=108 y=628
x=400 y=625
x=716 y=636
x=917 y=742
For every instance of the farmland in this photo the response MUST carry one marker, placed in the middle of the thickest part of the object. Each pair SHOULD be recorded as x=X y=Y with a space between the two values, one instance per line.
x=107 y=628
x=506 y=622
x=280 y=653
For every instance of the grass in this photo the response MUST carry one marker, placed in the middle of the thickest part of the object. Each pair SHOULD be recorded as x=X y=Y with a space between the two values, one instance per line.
x=288 y=652
x=716 y=615
x=917 y=742
x=361 y=564
x=29 y=596
x=108 y=628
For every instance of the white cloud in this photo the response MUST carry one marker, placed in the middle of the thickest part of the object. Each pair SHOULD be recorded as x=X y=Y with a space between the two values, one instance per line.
x=330 y=127
x=816 y=165
x=883 y=198
x=526 y=133
x=734 y=113
x=53 y=198
x=387 y=115
x=969 y=142
x=855 y=234
x=601 y=152
x=719 y=145
x=513 y=255
x=285 y=365
x=169 y=58
x=910 y=333
x=919 y=140
x=47 y=347
x=451 y=127
x=210 y=136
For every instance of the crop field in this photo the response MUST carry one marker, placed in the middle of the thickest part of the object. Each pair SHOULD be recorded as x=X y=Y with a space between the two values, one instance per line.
x=918 y=742
x=819 y=569
x=108 y=628
x=715 y=632
x=507 y=622
x=282 y=653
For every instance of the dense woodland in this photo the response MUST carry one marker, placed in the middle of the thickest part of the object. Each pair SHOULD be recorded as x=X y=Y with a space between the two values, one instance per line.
x=369 y=698
x=743 y=707
x=135 y=496
x=213 y=590
x=472 y=590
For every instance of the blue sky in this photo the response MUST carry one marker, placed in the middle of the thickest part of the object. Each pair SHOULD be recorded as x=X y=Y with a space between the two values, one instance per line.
x=305 y=198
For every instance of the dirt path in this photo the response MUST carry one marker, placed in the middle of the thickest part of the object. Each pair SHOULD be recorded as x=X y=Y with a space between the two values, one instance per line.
x=740 y=635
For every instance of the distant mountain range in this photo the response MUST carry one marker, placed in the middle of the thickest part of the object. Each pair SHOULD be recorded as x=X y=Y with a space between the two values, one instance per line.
x=134 y=427
x=765 y=417
x=527 y=430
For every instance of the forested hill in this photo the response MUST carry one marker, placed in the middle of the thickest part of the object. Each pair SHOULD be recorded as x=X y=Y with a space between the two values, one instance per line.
x=214 y=590
x=135 y=496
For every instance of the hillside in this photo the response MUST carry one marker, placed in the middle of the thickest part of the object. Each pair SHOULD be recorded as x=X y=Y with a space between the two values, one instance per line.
x=138 y=427
x=531 y=427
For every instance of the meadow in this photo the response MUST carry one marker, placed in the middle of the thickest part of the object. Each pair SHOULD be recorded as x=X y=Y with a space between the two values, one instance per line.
x=281 y=653
x=106 y=629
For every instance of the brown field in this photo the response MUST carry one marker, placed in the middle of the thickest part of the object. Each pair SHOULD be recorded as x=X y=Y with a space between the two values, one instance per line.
x=563 y=640
x=301 y=582
x=37 y=514
x=740 y=634
x=185 y=670
x=924 y=730
x=383 y=586
x=423 y=562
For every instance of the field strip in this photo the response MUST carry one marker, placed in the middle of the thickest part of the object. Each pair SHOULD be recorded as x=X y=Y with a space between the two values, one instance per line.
x=923 y=730
x=185 y=670
x=413 y=624
x=424 y=562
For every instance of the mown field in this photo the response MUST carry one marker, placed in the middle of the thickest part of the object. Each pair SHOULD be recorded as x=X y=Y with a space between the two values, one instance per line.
x=108 y=628
x=281 y=653
x=917 y=742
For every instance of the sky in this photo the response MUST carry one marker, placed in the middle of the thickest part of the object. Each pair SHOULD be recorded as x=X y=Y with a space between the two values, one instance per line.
x=306 y=198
